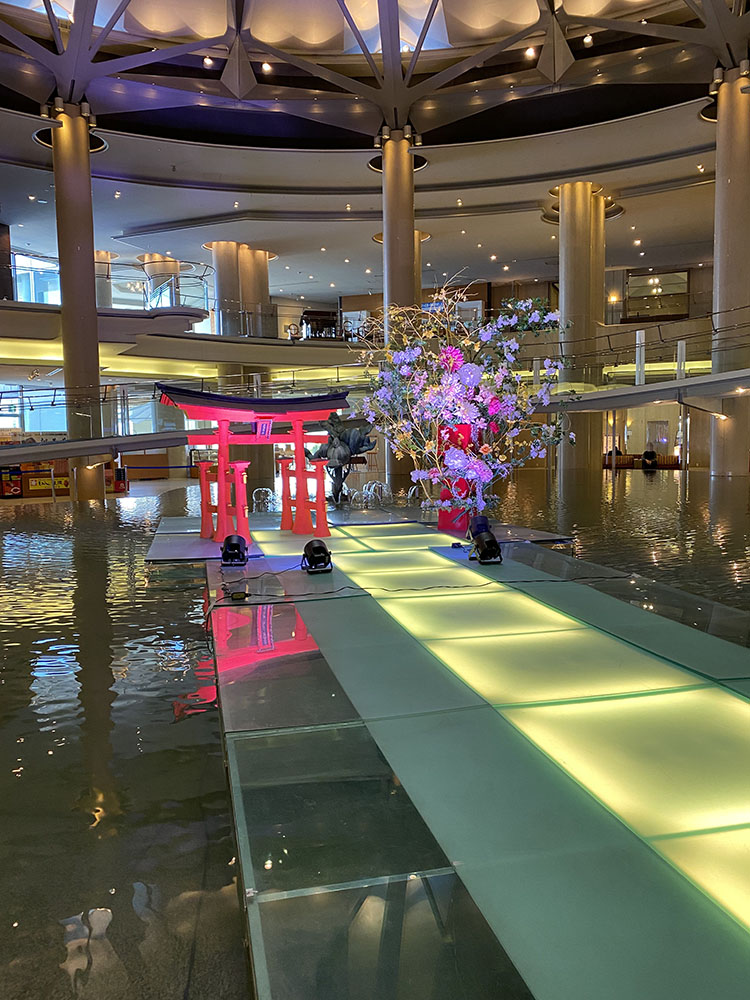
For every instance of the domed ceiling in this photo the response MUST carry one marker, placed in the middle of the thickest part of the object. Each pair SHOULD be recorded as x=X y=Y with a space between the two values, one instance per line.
x=328 y=73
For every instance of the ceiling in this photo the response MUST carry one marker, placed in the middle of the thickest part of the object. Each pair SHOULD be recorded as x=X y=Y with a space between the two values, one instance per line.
x=158 y=196
x=327 y=74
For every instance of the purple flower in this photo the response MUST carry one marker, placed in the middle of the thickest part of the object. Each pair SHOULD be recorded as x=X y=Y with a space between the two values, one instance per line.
x=451 y=359
x=470 y=375
x=455 y=459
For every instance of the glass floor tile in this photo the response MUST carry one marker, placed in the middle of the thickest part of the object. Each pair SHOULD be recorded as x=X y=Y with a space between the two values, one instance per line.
x=580 y=663
x=464 y=615
x=275 y=534
x=390 y=543
x=664 y=763
x=287 y=544
x=419 y=937
x=322 y=807
x=410 y=582
x=719 y=861
x=377 y=562
x=390 y=529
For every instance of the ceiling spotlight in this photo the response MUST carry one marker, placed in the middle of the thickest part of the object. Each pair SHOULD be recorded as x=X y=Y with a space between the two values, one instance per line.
x=32 y=197
x=463 y=232
x=632 y=228
x=118 y=194
x=493 y=256
x=310 y=276
x=348 y=207
x=459 y=202
x=266 y=67
x=642 y=253
x=530 y=53
x=331 y=285
x=322 y=249
x=701 y=264
x=700 y=168
x=208 y=62
x=346 y=260
x=479 y=246
x=286 y=267
x=428 y=264
x=368 y=270
x=236 y=204
x=636 y=243
x=588 y=41
x=505 y=267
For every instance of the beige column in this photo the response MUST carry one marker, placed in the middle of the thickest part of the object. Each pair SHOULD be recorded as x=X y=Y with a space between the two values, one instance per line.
x=226 y=288
x=398 y=257
x=161 y=269
x=730 y=439
x=103 y=272
x=417 y=268
x=254 y=295
x=581 y=306
x=78 y=318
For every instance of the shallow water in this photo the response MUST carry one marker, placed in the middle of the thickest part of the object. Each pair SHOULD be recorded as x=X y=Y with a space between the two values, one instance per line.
x=117 y=855
x=695 y=538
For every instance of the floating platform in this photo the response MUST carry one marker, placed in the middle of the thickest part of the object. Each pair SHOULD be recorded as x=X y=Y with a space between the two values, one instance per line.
x=483 y=781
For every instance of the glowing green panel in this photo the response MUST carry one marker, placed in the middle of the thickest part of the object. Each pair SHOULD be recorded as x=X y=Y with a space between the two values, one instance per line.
x=410 y=581
x=581 y=663
x=388 y=562
x=287 y=545
x=717 y=862
x=462 y=615
x=387 y=543
x=274 y=534
x=664 y=763
x=396 y=528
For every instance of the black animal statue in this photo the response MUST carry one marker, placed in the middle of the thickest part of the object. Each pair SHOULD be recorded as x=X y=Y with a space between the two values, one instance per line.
x=345 y=442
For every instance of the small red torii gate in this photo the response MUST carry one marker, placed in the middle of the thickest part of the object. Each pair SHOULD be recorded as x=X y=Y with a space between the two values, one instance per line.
x=231 y=515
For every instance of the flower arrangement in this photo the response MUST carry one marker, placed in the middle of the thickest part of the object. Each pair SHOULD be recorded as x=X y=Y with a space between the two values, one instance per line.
x=450 y=395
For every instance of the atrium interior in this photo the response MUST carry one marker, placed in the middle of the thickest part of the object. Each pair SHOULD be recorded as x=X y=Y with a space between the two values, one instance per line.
x=371 y=271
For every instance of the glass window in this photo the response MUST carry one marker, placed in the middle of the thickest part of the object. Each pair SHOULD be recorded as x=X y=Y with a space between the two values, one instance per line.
x=657 y=296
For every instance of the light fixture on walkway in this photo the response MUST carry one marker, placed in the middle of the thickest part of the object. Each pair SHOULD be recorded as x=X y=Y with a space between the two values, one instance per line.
x=316 y=557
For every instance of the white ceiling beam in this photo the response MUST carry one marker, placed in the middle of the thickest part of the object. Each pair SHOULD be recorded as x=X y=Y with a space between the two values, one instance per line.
x=360 y=41
x=108 y=27
x=426 y=25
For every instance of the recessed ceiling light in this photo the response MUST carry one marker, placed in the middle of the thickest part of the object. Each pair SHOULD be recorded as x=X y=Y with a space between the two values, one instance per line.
x=493 y=256
x=530 y=53
x=636 y=243
x=118 y=194
x=20 y=225
x=505 y=267
x=286 y=267
x=644 y=21
x=348 y=207
x=553 y=237
x=463 y=232
x=642 y=253
x=32 y=197
x=700 y=168
x=459 y=202
x=368 y=270
x=302 y=296
x=479 y=246
x=428 y=264
x=588 y=41
x=331 y=285
x=208 y=62
x=236 y=204
x=310 y=277
x=700 y=265
x=322 y=249
x=168 y=253
x=346 y=260
x=632 y=229
x=266 y=67
x=445 y=274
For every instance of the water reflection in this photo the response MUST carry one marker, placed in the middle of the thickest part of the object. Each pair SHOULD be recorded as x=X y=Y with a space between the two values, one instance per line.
x=694 y=536
x=116 y=848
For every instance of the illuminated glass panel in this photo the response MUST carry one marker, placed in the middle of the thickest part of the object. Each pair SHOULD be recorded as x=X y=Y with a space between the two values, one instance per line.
x=580 y=663
x=474 y=615
x=388 y=562
x=406 y=582
x=664 y=763
x=428 y=539
x=397 y=528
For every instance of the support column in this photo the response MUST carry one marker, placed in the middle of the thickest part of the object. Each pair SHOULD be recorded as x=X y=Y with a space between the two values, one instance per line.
x=78 y=318
x=730 y=439
x=6 y=272
x=162 y=270
x=398 y=256
x=103 y=271
x=257 y=311
x=417 y=268
x=582 y=299
x=226 y=288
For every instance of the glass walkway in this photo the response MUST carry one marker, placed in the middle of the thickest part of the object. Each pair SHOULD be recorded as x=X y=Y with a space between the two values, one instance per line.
x=458 y=781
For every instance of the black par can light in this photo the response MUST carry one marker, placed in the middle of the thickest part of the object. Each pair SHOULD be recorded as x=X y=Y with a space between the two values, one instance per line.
x=486 y=548
x=234 y=551
x=316 y=557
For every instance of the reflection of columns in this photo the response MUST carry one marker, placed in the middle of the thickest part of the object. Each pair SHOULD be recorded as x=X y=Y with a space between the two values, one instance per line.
x=243 y=302
x=103 y=271
x=417 y=268
x=162 y=270
x=398 y=221
x=730 y=439
x=78 y=319
x=581 y=306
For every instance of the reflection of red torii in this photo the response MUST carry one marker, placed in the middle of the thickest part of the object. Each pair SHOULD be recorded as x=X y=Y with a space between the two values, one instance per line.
x=231 y=517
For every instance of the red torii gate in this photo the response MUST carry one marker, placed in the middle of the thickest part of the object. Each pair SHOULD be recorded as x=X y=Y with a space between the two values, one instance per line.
x=231 y=516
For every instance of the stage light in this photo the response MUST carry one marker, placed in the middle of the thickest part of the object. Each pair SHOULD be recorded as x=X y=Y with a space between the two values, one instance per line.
x=486 y=547
x=316 y=558
x=234 y=551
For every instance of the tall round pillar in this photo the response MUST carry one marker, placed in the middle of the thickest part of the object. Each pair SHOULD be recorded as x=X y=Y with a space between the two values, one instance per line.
x=581 y=305
x=226 y=288
x=78 y=318
x=730 y=438
x=398 y=222
x=417 y=268
x=254 y=295
x=162 y=270
x=103 y=273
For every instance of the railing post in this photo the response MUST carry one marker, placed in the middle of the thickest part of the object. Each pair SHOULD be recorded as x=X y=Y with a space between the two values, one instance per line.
x=681 y=358
x=640 y=357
